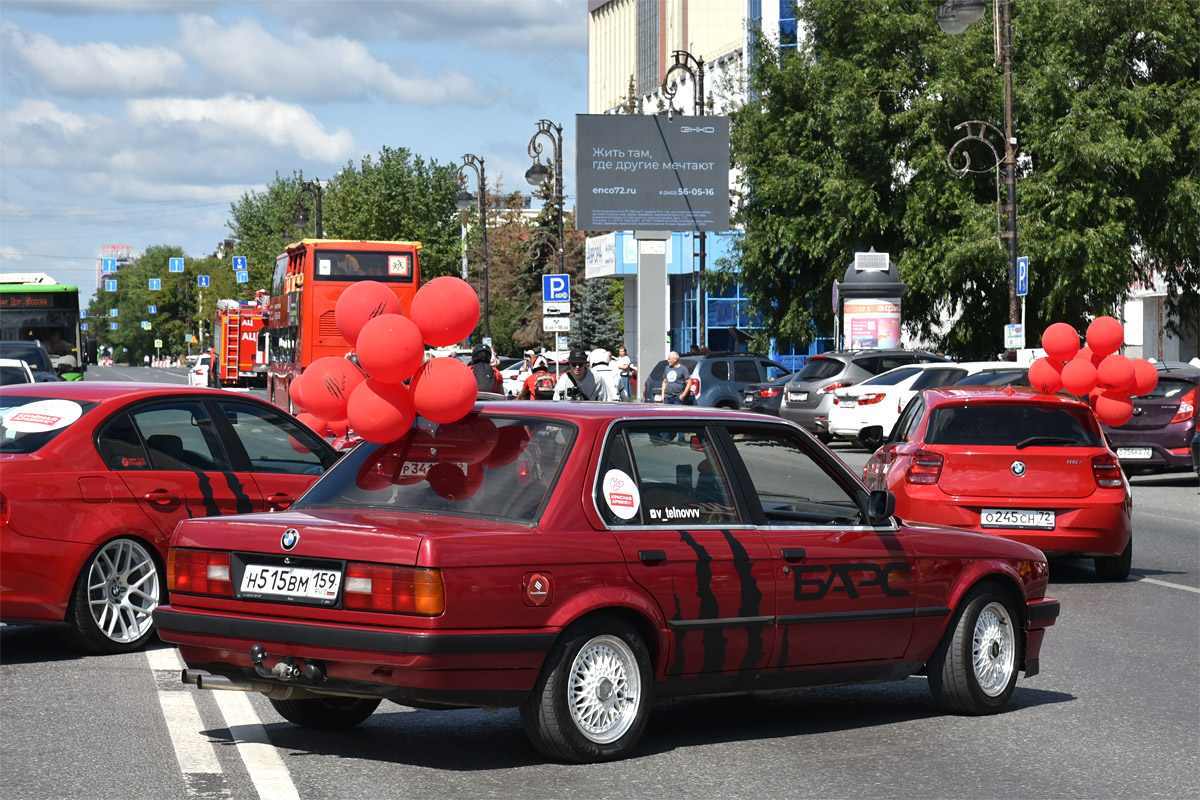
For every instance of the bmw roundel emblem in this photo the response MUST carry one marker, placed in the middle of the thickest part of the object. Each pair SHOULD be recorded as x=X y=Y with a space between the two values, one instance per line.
x=291 y=538
x=1018 y=469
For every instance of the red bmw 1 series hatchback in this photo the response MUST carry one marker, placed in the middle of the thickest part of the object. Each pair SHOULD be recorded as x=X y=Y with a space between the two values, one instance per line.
x=94 y=477
x=578 y=560
x=1010 y=462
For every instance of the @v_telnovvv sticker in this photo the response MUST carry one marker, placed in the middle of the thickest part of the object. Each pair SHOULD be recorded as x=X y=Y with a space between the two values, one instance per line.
x=621 y=494
x=42 y=416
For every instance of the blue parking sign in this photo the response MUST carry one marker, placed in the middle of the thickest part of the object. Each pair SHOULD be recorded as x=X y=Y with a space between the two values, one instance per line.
x=239 y=262
x=1022 y=276
x=556 y=288
x=175 y=265
x=202 y=281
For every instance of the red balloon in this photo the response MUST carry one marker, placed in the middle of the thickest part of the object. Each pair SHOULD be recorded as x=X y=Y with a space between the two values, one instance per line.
x=468 y=440
x=448 y=480
x=445 y=389
x=1060 y=341
x=294 y=391
x=446 y=310
x=380 y=412
x=360 y=303
x=377 y=473
x=1114 y=408
x=389 y=348
x=312 y=421
x=338 y=427
x=1115 y=373
x=1045 y=375
x=1105 y=335
x=1145 y=377
x=1079 y=376
x=510 y=443
x=328 y=383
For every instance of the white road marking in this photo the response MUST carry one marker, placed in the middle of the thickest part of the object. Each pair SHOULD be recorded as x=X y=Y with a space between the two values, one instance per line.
x=193 y=750
x=267 y=771
x=1170 y=585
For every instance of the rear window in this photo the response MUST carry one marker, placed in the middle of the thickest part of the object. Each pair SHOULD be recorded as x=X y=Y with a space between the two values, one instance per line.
x=29 y=352
x=1011 y=424
x=29 y=423
x=481 y=466
x=1168 y=389
x=818 y=369
x=1015 y=377
x=891 y=377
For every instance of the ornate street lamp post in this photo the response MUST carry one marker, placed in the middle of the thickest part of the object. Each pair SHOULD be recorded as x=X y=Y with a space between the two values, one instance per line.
x=693 y=67
x=313 y=190
x=463 y=200
x=537 y=174
x=954 y=17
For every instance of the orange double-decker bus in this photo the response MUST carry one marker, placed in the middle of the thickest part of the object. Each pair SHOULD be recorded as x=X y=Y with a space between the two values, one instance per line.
x=309 y=278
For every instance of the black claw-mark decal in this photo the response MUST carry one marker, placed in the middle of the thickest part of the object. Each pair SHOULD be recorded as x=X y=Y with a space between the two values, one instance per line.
x=784 y=632
x=714 y=640
x=244 y=504
x=211 y=509
x=751 y=599
x=677 y=665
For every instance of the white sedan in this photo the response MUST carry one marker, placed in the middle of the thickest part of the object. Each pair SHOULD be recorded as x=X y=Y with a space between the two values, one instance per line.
x=866 y=412
x=198 y=369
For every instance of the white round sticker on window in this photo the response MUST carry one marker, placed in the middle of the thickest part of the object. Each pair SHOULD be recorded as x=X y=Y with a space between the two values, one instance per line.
x=42 y=416
x=621 y=494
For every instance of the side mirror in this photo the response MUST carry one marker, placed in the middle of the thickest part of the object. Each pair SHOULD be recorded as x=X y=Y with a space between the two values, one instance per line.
x=881 y=505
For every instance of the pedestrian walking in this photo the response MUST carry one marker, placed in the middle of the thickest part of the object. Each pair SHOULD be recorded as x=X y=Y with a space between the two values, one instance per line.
x=675 y=380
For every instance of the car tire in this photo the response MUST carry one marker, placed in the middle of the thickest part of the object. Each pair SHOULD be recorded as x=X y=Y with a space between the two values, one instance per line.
x=114 y=597
x=326 y=713
x=870 y=439
x=592 y=700
x=824 y=438
x=1115 y=568
x=974 y=668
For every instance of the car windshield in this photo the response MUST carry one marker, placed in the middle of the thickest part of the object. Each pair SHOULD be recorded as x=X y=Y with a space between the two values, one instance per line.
x=816 y=369
x=29 y=423
x=481 y=466
x=891 y=377
x=1013 y=424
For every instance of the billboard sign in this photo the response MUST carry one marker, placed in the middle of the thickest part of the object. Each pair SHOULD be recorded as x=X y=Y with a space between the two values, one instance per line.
x=872 y=323
x=652 y=172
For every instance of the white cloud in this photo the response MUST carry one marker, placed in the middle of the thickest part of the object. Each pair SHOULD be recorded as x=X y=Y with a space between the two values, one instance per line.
x=97 y=69
x=245 y=57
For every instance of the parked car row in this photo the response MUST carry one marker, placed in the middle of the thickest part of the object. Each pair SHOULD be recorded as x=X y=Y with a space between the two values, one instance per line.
x=720 y=377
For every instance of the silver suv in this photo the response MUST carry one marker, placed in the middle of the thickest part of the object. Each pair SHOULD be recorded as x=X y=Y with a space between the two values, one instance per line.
x=809 y=395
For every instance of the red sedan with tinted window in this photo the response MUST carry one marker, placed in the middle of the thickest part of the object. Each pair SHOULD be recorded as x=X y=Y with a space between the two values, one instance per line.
x=97 y=475
x=1010 y=462
x=579 y=560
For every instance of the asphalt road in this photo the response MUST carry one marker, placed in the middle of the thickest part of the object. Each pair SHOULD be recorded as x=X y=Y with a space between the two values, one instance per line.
x=1115 y=713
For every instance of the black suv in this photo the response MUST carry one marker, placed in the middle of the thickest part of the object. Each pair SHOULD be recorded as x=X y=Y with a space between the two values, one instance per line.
x=809 y=394
x=722 y=377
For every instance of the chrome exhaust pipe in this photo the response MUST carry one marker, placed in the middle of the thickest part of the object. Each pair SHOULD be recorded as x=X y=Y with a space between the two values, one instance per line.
x=208 y=681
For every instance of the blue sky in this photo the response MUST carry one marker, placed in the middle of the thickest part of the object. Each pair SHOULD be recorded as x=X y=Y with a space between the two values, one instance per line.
x=139 y=122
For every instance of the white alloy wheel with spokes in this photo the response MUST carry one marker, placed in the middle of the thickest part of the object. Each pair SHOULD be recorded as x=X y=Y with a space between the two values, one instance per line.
x=604 y=689
x=974 y=668
x=993 y=649
x=115 y=597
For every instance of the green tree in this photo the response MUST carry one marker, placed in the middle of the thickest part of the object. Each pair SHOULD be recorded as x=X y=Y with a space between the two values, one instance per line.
x=843 y=146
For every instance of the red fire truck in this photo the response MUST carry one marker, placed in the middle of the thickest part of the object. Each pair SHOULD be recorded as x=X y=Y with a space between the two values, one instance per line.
x=239 y=355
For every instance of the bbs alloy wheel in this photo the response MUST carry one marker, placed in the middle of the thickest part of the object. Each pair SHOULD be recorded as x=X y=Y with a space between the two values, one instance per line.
x=115 y=596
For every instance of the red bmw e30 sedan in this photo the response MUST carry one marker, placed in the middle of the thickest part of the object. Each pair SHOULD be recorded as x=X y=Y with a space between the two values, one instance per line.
x=580 y=560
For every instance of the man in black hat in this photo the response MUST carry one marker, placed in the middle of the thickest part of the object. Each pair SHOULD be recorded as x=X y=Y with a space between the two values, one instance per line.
x=578 y=382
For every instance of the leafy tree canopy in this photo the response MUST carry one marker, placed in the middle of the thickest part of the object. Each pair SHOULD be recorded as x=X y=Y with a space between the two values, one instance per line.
x=844 y=147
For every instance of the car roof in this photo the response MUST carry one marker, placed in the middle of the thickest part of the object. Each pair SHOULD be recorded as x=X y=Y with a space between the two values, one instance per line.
x=590 y=412
x=100 y=391
x=954 y=395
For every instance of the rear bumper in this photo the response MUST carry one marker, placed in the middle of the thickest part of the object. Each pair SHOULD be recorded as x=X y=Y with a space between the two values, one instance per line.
x=464 y=668
x=1169 y=446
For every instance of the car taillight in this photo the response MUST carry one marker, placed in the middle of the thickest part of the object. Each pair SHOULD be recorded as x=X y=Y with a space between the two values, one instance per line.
x=1106 y=470
x=769 y=392
x=199 y=572
x=833 y=387
x=923 y=467
x=404 y=590
x=870 y=399
x=1187 y=407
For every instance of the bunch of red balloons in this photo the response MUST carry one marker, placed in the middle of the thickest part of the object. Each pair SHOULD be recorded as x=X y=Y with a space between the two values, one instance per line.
x=373 y=397
x=1095 y=370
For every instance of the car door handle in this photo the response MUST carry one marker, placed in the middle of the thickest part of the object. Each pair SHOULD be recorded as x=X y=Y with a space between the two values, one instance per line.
x=161 y=496
x=794 y=554
x=652 y=557
x=280 y=500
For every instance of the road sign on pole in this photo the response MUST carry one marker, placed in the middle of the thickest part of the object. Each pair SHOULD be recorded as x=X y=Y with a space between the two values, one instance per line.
x=239 y=262
x=1022 y=276
x=1014 y=337
x=556 y=288
x=202 y=281
x=556 y=324
x=175 y=265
